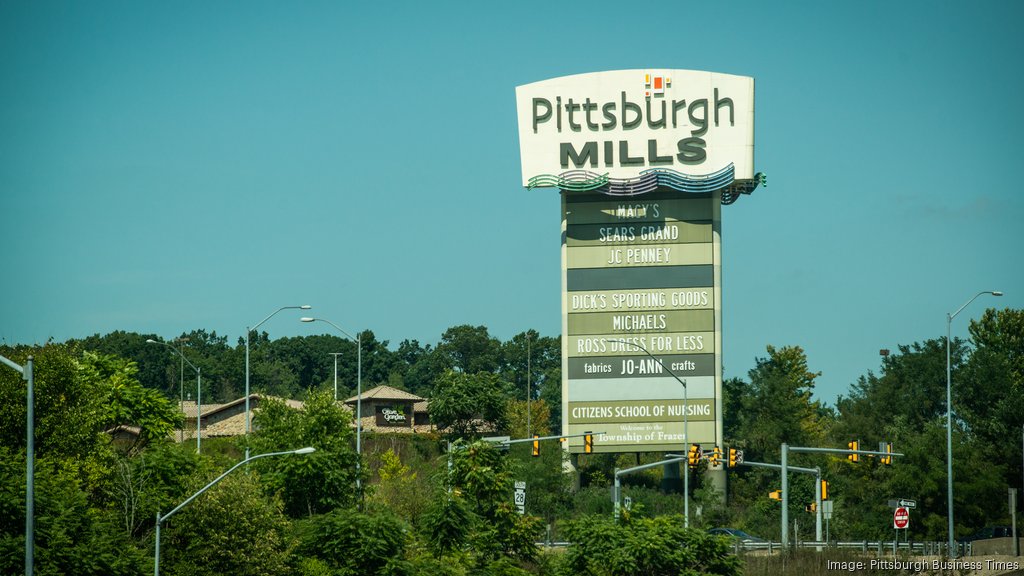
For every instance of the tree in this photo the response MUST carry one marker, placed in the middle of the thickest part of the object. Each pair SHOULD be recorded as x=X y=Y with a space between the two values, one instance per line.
x=125 y=400
x=400 y=489
x=357 y=544
x=69 y=411
x=483 y=476
x=72 y=535
x=470 y=349
x=533 y=355
x=645 y=547
x=539 y=420
x=468 y=404
x=780 y=407
x=318 y=482
x=230 y=529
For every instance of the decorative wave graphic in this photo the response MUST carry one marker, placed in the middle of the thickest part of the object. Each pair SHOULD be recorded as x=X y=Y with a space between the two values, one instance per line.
x=650 y=180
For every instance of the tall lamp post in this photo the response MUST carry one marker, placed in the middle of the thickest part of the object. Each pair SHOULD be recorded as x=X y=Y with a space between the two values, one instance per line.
x=949 y=421
x=160 y=519
x=336 y=354
x=686 y=428
x=30 y=456
x=248 y=331
x=199 y=392
x=359 y=397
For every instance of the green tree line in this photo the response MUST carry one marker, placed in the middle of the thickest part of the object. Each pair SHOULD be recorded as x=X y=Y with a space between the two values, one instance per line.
x=427 y=509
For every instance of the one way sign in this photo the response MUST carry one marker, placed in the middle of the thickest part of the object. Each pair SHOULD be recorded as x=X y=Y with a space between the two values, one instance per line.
x=903 y=503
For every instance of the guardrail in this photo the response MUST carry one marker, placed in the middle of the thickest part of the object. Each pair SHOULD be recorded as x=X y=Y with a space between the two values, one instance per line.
x=879 y=547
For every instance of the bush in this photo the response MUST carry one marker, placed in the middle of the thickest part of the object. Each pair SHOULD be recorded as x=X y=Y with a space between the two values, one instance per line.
x=647 y=547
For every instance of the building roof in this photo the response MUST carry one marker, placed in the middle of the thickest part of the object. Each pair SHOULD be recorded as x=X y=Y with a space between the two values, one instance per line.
x=386 y=393
x=189 y=407
x=420 y=406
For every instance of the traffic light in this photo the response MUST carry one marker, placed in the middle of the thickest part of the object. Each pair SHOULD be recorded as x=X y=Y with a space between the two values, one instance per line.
x=536 y=445
x=812 y=507
x=855 y=445
x=715 y=457
x=588 y=443
x=693 y=456
x=824 y=490
x=733 y=457
x=776 y=495
x=887 y=448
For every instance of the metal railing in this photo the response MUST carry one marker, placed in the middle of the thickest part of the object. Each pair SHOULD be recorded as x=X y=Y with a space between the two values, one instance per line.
x=878 y=547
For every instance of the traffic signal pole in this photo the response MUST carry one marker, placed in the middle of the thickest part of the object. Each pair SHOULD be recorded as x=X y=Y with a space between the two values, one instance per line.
x=785 y=491
x=785 y=450
x=616 y=493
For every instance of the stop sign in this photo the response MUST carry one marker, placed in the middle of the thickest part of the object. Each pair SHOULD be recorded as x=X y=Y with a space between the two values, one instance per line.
x=901 y=518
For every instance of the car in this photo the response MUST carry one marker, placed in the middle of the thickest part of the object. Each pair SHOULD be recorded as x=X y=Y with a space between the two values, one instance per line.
x=737 y=534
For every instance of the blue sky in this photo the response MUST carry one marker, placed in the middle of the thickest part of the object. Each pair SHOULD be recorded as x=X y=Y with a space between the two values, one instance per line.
x=172 y=166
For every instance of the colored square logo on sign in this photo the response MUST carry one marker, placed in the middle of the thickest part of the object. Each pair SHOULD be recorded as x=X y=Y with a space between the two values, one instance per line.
x=655 y=85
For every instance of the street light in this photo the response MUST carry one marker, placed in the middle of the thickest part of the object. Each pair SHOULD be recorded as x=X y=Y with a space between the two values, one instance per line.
x=248 y=425
x=686 y=429
x=949 y=421
x=335 y=354
x=359 y=396
x=26 y=372
x=199 y=392
x=160 y=519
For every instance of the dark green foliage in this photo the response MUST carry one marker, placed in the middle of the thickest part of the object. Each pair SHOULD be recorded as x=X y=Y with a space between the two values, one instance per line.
x=230 y=529
x=317 y=482
x=125 y=400
x=447 y=524
x=357 y=544
x=71 y=535
x=470 y=349
x=69 y=411
x=645 y=547
x=467 y=404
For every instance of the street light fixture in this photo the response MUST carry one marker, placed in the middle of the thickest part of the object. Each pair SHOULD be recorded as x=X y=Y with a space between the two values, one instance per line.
x=686 y=428
x=199 y=392
x=160 y=519
x=949 y=421
x=27 y=372
x=359 y=396
x=248 y=331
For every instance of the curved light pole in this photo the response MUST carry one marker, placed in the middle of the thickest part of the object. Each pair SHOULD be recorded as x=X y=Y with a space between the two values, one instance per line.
x=686 y=429
x=160 y=519
x=248 y=422
x=359 y=397
x=949 y=422
x=199 y=393
x=26 y=372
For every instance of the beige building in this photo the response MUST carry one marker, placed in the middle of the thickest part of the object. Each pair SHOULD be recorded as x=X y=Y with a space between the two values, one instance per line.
x=387 y=409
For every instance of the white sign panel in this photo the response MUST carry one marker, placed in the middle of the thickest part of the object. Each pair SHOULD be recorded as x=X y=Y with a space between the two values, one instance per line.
x=520 y=496
x=624 y=122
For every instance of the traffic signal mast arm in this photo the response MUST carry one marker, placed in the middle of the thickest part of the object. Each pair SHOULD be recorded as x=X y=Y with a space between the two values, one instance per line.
x=842 y=451
x=779 y=467
x=616 y=494
x=556 y=437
